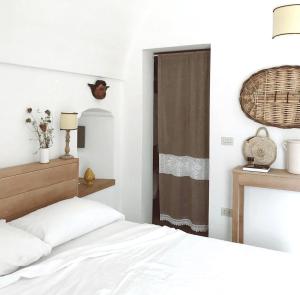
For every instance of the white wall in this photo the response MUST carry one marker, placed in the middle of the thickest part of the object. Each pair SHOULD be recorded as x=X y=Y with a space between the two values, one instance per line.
x=270 y=215
x=21 y=87
x=102 y=151
x=108 y=196
x=98 y=153
x=49 y=51
x=241 y=44
x=160 y=27
x=89 y=37
x=113 y=39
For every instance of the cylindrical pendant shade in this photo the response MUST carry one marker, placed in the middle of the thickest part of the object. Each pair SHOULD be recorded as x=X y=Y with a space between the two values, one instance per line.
x=68 y=121
x=286 y=20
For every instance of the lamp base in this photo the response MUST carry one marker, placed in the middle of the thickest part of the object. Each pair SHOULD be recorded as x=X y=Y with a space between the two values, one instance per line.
x=66 y=157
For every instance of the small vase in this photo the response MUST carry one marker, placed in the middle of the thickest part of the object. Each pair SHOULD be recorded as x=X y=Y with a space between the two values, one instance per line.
x=89 y=177
x=44 y=156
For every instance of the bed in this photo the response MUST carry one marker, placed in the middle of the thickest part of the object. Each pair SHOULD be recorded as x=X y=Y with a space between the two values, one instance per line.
x=129 y=258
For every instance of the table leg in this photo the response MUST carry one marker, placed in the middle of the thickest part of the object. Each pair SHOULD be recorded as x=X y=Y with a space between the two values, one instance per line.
x=241 y=214
x=237 y=211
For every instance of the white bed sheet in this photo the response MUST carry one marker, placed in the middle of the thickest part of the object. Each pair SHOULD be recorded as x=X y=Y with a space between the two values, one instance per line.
x=106 y=232
x=127 y=258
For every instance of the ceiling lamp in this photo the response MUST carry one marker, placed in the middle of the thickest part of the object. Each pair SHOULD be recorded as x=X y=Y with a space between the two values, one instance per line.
x=286 y=20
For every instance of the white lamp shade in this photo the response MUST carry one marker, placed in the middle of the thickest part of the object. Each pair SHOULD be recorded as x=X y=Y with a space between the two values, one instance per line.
x=68 y=121
x=286 y=20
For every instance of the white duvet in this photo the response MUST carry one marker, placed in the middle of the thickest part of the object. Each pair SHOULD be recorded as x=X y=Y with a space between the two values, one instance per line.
x=147 y=259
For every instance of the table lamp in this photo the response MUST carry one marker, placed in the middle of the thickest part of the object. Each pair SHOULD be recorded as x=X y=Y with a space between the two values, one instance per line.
x=68 y=122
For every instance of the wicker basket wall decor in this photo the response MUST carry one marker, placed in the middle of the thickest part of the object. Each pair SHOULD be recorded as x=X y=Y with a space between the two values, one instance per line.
x=272 y=97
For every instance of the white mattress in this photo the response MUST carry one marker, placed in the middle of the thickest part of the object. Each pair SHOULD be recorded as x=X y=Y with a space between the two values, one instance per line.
x=128 y=258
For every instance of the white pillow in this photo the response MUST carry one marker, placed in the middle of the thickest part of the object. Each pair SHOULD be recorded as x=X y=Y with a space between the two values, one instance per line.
x=19 y=248
x=66 y=220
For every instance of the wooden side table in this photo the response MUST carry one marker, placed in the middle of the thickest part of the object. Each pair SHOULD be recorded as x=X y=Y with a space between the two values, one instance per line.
x=274 y=179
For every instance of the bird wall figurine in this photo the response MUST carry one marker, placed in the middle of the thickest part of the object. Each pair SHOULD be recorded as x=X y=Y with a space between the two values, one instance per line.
x=99 y=89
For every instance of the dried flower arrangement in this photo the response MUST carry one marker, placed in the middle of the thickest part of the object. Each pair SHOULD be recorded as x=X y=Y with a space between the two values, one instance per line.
x=41 y=127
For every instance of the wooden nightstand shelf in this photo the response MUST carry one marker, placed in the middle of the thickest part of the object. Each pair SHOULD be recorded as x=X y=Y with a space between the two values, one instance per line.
x=274 y=179
x=98 y=185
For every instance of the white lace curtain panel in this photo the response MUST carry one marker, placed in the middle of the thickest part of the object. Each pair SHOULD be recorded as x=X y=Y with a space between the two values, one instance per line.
x=181 y=166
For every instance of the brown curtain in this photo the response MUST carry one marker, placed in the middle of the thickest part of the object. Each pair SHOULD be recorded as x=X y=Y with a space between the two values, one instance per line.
x=183 y=137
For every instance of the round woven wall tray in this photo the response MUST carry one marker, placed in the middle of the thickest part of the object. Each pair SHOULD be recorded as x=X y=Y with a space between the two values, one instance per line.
x=272 y=97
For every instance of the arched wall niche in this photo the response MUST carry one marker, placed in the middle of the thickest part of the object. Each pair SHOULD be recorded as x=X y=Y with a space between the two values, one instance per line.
x=98 y=150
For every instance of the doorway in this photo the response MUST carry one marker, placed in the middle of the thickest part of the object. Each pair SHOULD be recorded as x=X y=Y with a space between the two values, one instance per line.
x=181 y=140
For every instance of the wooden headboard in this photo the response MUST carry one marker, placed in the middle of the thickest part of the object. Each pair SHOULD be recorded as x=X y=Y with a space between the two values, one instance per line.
x=28 y=187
